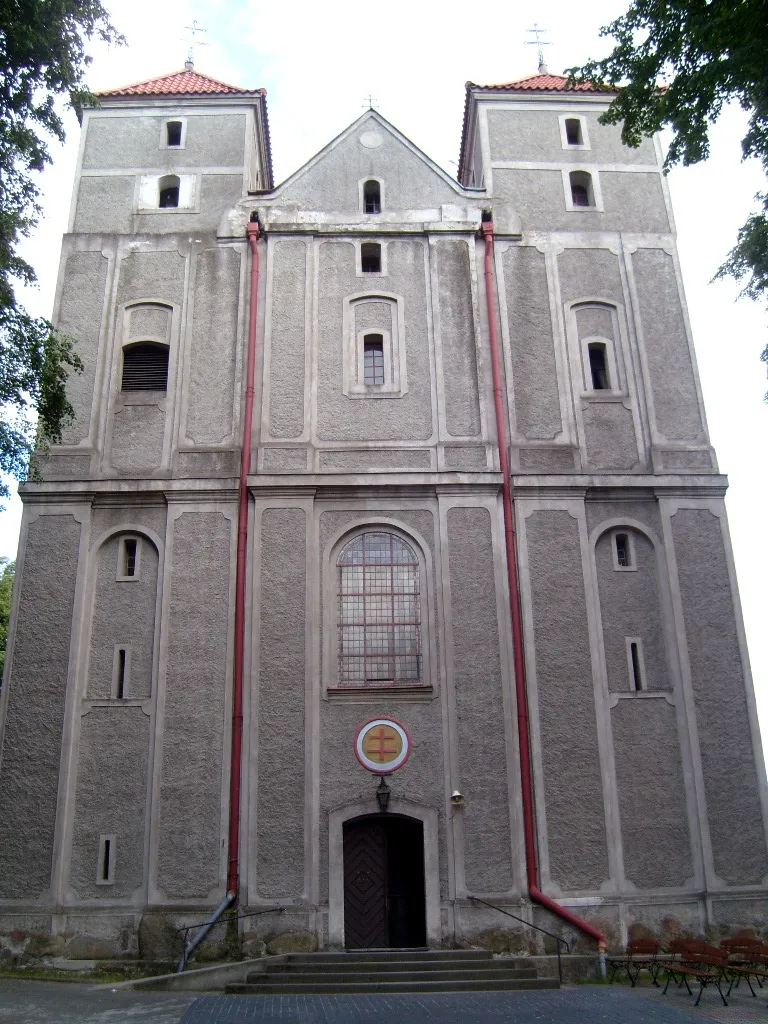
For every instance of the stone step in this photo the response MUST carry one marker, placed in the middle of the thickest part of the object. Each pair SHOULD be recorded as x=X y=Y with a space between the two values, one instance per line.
x=380 y=955
x=343 y=978
x=392 y=966
x=487 y=984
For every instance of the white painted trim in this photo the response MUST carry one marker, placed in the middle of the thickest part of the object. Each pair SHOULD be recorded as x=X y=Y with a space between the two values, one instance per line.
x=569 y=146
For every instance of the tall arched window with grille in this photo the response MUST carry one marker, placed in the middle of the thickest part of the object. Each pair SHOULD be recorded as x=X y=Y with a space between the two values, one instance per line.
x=379 y=619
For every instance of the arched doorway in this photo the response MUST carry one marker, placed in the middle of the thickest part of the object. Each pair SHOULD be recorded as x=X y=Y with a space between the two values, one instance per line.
x=384 y=904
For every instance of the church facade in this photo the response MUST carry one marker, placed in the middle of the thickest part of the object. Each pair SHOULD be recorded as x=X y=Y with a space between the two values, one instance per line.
x=376 y=638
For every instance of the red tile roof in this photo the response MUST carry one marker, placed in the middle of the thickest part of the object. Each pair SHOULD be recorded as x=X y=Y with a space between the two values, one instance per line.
x=533 y=83
x=181 y=83
x=539 y=83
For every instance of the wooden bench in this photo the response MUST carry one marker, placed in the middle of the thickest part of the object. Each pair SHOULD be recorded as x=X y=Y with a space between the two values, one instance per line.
x=639 y=955
x=699 y=961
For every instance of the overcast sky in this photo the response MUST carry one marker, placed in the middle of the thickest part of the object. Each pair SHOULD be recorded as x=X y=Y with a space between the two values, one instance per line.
x=318 y=62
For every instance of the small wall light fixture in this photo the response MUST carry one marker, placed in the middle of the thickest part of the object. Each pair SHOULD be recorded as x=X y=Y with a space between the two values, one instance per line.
x=457 y=798
x=383 y=794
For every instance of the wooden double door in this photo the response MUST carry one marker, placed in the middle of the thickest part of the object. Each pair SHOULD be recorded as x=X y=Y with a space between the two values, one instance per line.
x=384 y=882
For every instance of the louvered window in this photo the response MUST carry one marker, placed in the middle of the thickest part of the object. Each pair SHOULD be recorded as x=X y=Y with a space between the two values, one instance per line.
x=145 y=367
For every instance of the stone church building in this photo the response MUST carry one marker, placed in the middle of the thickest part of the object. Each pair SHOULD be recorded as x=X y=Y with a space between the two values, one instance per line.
x=476 y=569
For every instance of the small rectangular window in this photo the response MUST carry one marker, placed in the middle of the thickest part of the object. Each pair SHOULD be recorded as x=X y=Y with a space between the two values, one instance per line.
x=370 y=258
x=573 y=132
x=622 y=550
x=120 y=672
x=173 y=133
x=636 y=670
x=372 y=197
x=373 y=359
x=105 y=864
x=130 y=548
x=598 y=367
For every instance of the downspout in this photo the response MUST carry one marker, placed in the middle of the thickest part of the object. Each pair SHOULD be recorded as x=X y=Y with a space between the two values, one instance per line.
x=242 y=553
x=537 y=896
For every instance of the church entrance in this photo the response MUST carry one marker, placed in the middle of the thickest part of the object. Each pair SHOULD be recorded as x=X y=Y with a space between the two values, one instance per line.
x=384 y=902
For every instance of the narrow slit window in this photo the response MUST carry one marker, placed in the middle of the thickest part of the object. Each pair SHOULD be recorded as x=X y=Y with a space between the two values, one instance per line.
x=373 y=359
x=145 y=367
x=573 y=133
x=598 y=367
x=372 y=197
x=169 y=192
x=370 y=258
x=173 y=133
x=120 y=673
x=105 y=865
x=582 y=193
x=637 y=673
x=623 y=553
x=130 y=556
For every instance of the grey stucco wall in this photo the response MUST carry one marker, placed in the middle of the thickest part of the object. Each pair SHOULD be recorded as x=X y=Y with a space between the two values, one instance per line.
x=727 y=757
x=609 y=435
x=196 y=678
x=152 y=273
x=631 y=201
x=212 y=140
x=534 y=373
x=287 y=344
x=35 y=711
x=401 y=418
x=566 y=706
x=534 y=136
x=123 y=614
x=111 y=800
x=630 y=607
x=676 y=405
x=651 y=790
x=138 y=431
x=210 y=386
x=481 y=741
x=332 y=183
x=457 y=339
x=281 y=697
x=589 y=273
x=106 y=203
x=80 y=315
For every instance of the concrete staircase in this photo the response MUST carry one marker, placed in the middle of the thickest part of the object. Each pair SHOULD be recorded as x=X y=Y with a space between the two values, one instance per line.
x=393 y=970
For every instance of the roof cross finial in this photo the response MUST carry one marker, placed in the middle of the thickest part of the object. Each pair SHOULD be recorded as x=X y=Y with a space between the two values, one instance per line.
x=369 y=101
x=194 y=29
x=543 y=69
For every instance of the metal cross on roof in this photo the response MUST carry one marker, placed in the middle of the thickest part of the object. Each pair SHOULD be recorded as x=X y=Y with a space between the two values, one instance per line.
x=369 y=101
x=194 y=29
x=537 y=31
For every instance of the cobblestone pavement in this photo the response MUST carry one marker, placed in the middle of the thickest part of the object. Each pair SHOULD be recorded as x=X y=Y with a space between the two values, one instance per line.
x=35 y=1002
x=53 y=1002
x=579 y=1005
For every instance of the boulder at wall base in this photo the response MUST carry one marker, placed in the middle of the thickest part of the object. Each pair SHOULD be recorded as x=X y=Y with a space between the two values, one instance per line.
x=158 y=939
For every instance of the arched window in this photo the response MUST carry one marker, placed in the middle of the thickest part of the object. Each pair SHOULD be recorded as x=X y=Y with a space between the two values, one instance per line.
x=145 y=367
x=373 y=359
x=169 y=191
x=379 y=612
x=582 y=192
x=372 y=197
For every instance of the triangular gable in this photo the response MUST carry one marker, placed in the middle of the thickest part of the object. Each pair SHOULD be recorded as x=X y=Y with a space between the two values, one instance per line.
x=374 y=161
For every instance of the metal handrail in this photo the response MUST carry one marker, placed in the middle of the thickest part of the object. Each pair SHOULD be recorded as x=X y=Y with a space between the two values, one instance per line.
x=529 y=924
x=206 y=926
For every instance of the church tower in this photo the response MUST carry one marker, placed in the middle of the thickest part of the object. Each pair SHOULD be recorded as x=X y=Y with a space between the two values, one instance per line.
x=385 y=565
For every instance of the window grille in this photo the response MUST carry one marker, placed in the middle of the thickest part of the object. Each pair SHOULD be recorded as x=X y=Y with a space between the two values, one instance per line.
x=373 y=359
x=379 y=612
x=145 y=367
x=372 y=197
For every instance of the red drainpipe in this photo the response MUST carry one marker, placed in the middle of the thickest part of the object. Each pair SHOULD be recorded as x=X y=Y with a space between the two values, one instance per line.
x=514 y=606
x=242 y=552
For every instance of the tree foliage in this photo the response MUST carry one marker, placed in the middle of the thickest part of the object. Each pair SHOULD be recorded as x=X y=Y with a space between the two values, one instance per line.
x=7 y=572
x=674 y=65
x=42 y=68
